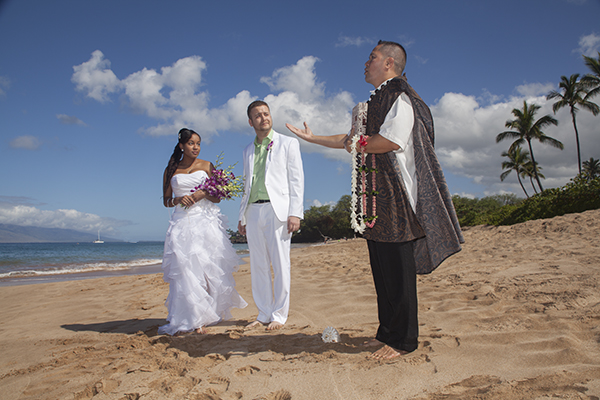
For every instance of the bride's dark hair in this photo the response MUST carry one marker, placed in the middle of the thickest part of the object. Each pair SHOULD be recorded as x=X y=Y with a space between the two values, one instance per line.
x=184 y=135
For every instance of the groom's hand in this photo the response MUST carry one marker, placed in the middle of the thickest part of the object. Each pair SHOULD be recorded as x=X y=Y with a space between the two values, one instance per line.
x=241 y=228
x=293 y=224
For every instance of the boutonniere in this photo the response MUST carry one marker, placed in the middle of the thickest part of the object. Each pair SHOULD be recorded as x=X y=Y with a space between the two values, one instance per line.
x=270 y=146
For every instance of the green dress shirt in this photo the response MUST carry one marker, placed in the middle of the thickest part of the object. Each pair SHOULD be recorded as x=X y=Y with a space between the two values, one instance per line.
x=258 y=191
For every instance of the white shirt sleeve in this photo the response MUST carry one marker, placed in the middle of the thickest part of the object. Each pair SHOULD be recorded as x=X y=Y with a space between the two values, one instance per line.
x=397 y=128
x=399 y=122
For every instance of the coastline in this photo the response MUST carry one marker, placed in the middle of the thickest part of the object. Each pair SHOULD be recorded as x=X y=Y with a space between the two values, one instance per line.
x=66 y=275
x=514 y=315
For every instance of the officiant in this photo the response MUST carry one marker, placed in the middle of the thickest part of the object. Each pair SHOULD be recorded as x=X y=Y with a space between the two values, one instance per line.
x=410 y=222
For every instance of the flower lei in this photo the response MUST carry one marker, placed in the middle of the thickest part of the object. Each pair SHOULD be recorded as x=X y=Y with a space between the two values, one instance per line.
x=360 y=222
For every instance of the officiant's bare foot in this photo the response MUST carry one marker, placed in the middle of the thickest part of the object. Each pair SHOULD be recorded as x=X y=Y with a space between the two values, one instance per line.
x=253 y=324
x=372 y=343
x=387 y=353
x=274 y=325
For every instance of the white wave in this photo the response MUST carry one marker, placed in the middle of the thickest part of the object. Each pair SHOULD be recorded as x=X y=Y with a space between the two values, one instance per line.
x=80 y=268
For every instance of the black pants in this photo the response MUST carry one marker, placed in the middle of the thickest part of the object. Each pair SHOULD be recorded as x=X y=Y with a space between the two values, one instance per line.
x=394 y=273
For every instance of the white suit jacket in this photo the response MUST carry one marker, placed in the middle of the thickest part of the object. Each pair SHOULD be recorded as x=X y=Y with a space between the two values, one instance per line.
x=284 y=178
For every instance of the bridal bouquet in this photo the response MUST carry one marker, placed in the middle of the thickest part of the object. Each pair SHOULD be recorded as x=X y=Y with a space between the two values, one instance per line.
x=223 y=184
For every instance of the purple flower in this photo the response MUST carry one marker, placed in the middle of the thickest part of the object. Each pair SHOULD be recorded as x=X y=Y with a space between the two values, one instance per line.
x=270 y=146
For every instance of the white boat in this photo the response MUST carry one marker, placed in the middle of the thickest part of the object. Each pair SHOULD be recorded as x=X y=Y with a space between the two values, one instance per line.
x=98 y=241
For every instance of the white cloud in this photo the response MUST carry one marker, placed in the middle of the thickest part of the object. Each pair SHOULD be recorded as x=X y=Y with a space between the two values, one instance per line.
x=299 y=78
x=26 y=142
x=69 y=120
x=95 y=78
x=326 y=115
x=4 y=85
x=589 y=45
x=405 y=41
x=172 y=97
x=466 y=139
x=421 y=60
x=466 y=126
x=344 y=41
x=25 y=215
x=535 y=89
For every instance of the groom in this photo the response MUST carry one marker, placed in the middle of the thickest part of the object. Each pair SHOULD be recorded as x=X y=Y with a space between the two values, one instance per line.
x=271 y=209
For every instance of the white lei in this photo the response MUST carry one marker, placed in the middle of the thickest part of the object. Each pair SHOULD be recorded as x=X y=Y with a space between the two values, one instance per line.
x=359 y=118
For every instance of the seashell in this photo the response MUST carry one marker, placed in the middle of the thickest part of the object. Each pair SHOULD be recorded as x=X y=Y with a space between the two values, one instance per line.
x=330 y=335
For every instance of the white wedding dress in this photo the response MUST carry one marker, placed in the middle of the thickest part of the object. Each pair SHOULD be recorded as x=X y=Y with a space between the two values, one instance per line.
x=198 y=263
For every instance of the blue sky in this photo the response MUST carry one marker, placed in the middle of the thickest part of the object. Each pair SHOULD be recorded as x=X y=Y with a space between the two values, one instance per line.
x=92 y=93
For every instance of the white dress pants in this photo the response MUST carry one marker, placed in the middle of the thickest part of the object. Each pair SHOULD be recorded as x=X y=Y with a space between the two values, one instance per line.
x=269 y=244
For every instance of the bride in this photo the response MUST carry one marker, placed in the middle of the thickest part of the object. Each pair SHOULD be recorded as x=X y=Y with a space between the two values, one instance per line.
x=198 y=259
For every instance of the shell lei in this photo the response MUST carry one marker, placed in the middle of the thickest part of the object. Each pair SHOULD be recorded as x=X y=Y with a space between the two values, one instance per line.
x=356 y=221
x=359 y=138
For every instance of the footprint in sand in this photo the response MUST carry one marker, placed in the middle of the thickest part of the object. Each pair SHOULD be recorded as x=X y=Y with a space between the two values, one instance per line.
x=247 y=370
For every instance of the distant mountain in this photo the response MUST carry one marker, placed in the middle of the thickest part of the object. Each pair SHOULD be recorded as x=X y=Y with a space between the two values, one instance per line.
x=33 y=234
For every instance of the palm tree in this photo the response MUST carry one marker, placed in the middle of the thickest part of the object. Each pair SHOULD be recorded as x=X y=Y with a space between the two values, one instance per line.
x=527 y=129
x=573 y=94
x=528 y=173
x=592 y=81
x=591 y=168
x=517 y=159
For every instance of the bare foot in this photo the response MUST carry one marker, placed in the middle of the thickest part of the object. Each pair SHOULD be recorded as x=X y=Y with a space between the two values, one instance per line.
x=253 y=324
x=274 y=325
x=200 y=330
x=387 y=353
x=371 y=343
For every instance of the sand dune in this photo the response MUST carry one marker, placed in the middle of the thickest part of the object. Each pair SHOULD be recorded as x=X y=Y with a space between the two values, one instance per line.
x=515 y=315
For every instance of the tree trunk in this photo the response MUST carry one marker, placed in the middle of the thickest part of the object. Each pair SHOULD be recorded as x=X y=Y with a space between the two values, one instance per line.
x=521 y=183
x=535 y=174
x=577 y=140
x=532 y=185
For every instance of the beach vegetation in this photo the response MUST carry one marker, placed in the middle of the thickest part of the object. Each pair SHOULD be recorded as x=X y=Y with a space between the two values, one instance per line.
x=527 y=172
x=573 y=93
x=591 y=169
x=582 y=193
x=592 y=80
x=517 y=161
x=326 y=222
x=525 y=129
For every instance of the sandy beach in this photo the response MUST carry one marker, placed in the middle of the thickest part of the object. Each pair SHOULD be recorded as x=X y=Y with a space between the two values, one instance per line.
x=514 y=315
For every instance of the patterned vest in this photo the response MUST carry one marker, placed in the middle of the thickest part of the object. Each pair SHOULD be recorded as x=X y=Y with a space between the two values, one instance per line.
x=433 y=226
x=396 y=221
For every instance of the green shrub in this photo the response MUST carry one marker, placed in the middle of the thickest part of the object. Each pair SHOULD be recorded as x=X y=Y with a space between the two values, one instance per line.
x=579 y=195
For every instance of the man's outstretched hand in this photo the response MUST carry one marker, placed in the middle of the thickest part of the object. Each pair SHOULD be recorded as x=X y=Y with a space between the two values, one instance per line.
x=305 y=133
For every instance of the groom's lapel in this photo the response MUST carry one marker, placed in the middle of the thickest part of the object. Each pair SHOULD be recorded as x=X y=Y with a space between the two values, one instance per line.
x=270 y=152
x=251 y=162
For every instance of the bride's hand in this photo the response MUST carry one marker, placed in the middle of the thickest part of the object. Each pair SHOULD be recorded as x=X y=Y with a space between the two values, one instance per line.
x=305 y=133
x=187 y=201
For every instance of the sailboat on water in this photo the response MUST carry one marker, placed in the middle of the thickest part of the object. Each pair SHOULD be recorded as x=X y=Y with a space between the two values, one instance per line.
x=98 y=241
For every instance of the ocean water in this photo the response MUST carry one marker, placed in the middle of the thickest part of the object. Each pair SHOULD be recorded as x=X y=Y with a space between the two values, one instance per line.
x=42 y=262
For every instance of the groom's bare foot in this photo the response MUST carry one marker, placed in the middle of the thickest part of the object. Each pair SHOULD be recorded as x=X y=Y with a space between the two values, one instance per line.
x=253 y=324
x=274 y=325
x=387 y=353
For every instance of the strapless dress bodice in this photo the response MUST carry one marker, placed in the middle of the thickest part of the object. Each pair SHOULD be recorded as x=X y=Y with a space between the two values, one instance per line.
x=183 y=184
